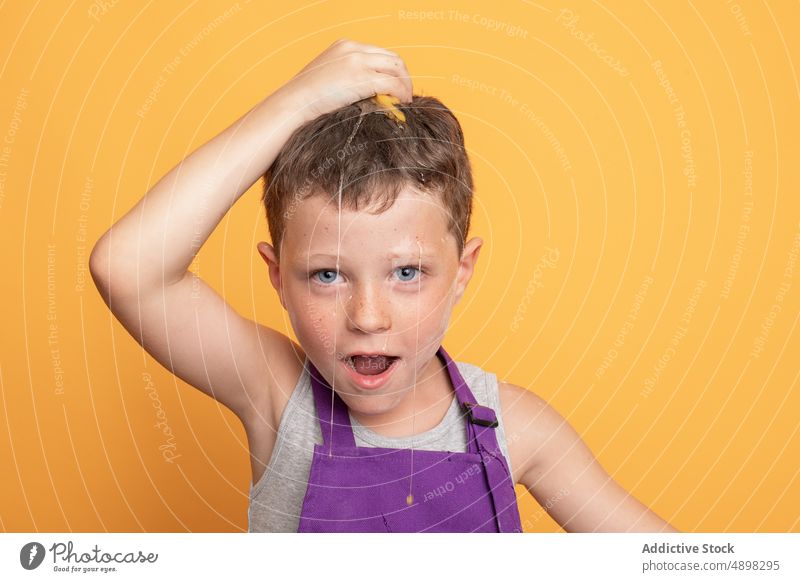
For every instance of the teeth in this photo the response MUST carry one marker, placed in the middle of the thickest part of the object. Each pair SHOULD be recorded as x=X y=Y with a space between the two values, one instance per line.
x=349 y=360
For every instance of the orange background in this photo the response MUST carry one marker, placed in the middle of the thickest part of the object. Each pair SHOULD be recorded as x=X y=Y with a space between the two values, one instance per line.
x=637 y=176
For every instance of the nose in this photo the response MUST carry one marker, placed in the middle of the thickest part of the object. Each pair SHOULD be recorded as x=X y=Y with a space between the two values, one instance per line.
x=367 y=310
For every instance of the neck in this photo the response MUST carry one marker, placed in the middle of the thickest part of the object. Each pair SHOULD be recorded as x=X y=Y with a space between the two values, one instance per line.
x=416 y=412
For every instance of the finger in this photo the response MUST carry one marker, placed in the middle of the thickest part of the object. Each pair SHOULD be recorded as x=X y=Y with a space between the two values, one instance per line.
x=379 y=51
x=371 y=48
x=390 y=63
x=391 y=85
x=393 y=66
x=345 y=46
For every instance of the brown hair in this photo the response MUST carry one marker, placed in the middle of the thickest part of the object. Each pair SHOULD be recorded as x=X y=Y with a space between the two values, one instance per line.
x=426 y=152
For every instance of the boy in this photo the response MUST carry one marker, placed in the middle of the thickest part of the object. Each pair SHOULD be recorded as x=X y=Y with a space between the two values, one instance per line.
x=369 y=257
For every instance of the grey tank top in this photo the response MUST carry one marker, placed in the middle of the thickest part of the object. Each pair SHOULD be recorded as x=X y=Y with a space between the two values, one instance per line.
x=276 y=501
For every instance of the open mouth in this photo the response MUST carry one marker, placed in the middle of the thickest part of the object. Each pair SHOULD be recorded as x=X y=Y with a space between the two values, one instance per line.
x=370 y=364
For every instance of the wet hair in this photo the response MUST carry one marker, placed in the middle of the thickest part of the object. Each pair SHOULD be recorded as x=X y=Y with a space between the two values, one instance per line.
x=382 y=157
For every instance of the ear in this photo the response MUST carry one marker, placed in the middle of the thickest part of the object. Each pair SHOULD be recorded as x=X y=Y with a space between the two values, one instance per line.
x=467 y=265
x=267 y=253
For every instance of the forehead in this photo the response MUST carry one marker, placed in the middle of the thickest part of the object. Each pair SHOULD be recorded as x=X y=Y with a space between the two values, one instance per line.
x=414 y=220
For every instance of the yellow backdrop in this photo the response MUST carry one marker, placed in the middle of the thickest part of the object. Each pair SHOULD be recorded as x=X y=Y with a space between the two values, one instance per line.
x=637 y=188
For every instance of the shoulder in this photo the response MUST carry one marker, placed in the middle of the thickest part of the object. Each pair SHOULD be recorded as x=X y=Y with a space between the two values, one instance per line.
x=525 y=412
x=533 y=427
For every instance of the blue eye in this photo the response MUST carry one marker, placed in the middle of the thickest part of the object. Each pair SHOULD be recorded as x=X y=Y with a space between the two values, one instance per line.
x=324 y=281
x=407 y=268
x=327 y=276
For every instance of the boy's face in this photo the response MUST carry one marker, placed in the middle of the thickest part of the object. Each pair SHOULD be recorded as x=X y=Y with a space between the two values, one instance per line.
x=398 y=280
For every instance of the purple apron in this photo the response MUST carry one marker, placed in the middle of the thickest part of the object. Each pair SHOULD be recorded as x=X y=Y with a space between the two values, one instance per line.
x=365 y=489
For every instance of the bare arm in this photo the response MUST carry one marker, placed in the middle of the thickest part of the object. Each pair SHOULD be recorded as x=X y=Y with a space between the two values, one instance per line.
x=565 y=478
x=158 y=238
x=140 y=266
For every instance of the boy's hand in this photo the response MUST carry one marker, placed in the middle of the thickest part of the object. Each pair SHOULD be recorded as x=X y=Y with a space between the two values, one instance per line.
x=346 y=72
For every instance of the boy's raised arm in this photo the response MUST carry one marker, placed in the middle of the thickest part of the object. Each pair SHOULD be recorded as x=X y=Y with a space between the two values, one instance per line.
x=154 y=243
x=140 y=265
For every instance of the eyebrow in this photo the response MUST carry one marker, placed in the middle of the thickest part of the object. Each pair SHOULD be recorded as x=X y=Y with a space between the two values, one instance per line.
x=389 y=255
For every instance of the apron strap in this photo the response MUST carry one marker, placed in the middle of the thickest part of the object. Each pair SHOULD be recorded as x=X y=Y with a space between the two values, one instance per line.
x=501 y=486
x=481 y=436
x=342 y=433
x=476 y=414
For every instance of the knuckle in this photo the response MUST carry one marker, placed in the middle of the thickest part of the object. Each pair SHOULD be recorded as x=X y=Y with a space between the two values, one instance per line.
x=352 y=59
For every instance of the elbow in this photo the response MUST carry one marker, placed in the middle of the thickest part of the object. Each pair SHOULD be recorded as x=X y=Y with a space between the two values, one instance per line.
x=99 y=266
x=96 y=258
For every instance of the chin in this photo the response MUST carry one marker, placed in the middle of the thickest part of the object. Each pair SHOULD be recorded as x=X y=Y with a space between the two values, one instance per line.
x=370 y=404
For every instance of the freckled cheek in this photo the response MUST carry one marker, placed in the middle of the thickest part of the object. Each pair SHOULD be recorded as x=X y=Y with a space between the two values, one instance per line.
x=312 y=317
x=429 y=315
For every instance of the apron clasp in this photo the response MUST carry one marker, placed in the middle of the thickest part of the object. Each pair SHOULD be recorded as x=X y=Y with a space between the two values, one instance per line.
x=481 y=415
